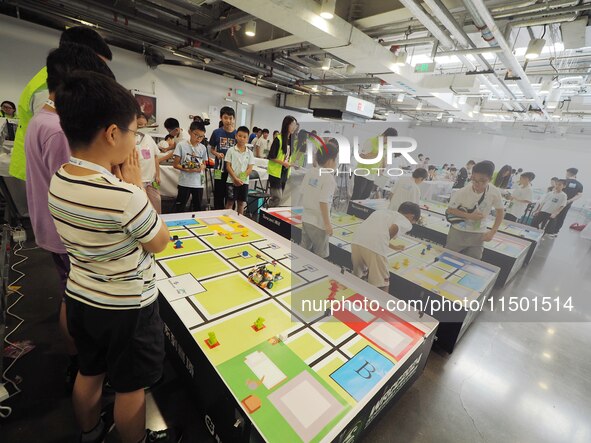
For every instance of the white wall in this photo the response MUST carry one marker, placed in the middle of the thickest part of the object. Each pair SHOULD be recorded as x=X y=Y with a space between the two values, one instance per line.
x=180 y=91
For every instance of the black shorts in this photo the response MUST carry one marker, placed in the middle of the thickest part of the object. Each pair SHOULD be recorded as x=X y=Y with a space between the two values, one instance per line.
x=127 y=345
x=237 y=193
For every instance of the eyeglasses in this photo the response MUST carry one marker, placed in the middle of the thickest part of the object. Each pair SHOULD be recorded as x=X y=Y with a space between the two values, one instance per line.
x=483 y=181
x=7 y=108
x=139 y=136
x=198 y=137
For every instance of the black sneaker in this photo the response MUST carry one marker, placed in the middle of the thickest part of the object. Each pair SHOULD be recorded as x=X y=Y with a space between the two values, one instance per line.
x=108 y=423
x=163 y=436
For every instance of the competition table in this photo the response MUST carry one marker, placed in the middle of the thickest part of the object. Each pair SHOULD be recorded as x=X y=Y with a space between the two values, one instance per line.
x=277 y=369
x=514 y=229
x=507 y=252
x=423 y=272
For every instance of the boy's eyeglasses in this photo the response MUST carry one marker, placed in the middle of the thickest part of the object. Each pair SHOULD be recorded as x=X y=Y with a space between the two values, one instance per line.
x=139 y=136
x=198 y=137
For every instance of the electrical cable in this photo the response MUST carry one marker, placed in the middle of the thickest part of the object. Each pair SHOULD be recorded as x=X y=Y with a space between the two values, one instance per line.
x=5 y=411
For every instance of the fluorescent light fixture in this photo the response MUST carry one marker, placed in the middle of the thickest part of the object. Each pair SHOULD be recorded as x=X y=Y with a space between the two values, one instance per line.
x=401 y=97
x=315 y=88
x=350 y=69
x=450 y=119
x=462 y=99
x=470 y=114
x=419 y=106
x=454 y=101
x=476 y=109
x=326 y=64
x=251 y=28
x=327 y=9
x=401 y=117
x=400 y=58
x=535 y=47
x=440 y=116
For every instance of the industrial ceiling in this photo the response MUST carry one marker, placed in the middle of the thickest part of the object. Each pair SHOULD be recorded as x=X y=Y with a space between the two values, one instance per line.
x=430 y=60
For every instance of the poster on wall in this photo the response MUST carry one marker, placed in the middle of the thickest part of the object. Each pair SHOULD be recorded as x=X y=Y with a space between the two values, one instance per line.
x=147 y=104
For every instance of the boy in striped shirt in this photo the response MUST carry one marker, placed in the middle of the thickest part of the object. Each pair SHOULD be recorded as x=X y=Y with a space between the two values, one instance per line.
x=110 y=231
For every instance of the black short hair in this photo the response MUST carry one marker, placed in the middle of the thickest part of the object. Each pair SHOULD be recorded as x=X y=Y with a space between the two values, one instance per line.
x=168 y=137
x=485 y=167
x=453 y=169
x=70 y=57
x=561 y=180
x=432 y=167
x=471 y=162
x=12 y=105
x=410 y=208
x=520 y=170
x=171 y=124
x=529 y=175
x=255 y=129
x=141 y=114
x=226 y=110
x=197 y=126
x=420 y=173
x=86 y=36
x=88 y=103
x=572 y=171
x=243 y=129
x=330 y=153
x=265 y=131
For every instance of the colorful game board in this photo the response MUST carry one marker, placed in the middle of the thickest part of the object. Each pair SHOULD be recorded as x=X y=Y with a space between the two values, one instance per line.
x=300 y=373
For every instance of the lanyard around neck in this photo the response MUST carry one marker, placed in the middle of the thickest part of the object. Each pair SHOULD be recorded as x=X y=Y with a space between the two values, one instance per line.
x=90 y=165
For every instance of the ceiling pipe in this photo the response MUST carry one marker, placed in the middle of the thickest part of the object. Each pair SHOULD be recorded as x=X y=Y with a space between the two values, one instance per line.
x=447 y=19
x=513 y=5
x=410 y=42
x=238 y=19
x=544 y=20
x=549 y=6
x=473 y=51
x=341 y=81
x=493 y=35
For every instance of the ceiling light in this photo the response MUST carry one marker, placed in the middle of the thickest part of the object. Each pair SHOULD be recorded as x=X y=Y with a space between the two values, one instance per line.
x=315 y=88
x=476 y=109
x=462 y=99
x=450 y=119
x=327 y=9
x=419 y=106
x=326 y=64
x=535 y=47
x=454 y=101
x=350 y=69
x=400 y=59
x=401 y=117
x=440 y=116
x=251 y=28
x=400 y=98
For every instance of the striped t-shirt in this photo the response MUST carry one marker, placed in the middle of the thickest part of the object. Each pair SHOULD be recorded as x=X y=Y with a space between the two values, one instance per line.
x=102 y=221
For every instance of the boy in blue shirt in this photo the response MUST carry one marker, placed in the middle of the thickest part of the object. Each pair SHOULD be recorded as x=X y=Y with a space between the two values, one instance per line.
x=189 y=158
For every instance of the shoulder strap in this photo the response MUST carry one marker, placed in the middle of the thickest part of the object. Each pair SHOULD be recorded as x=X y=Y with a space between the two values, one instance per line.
x=482 y=196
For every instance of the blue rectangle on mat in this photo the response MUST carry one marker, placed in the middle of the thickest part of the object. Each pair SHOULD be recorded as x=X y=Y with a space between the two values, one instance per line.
x=452 y=260
x=360 y=374
x=473 y=282
x=190 y=221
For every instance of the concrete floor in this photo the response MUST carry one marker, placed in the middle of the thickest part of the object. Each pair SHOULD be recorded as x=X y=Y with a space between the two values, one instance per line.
x=511 y=378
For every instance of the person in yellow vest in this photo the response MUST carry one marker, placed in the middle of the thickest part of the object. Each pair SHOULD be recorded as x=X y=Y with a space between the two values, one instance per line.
x=363 y=185
x=35 y=94
x=279 y=166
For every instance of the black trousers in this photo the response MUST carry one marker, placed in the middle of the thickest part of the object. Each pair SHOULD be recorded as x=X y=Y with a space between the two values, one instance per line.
x=362 y=188
x=560 y=217
x=219 y=191
x=543 y=221
x=183 y=196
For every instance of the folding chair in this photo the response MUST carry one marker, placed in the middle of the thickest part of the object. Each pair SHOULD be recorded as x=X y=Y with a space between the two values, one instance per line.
x=258 y=197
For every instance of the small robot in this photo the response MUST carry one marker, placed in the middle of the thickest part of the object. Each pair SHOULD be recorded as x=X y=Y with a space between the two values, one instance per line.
x=263 y=277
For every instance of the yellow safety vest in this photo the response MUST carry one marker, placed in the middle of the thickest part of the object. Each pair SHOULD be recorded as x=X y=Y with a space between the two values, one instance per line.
x=274 y=169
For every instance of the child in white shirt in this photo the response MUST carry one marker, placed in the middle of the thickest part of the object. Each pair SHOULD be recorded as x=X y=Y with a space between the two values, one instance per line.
x=150 y=166
x=549 y=207
x=520 y=197
x=190 y=158
x=370 y=245
x=407 y=189
x=239 y=164
x=318 y=187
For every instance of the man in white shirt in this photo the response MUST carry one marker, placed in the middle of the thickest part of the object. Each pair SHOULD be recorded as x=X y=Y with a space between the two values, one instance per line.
x=549 y=207
x=520 y=197
x=370 y=245
x=471 y=207
x=263 y=145
x=407 y=189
